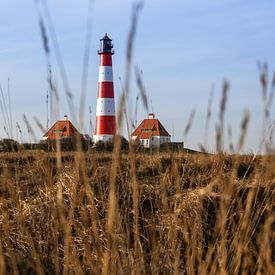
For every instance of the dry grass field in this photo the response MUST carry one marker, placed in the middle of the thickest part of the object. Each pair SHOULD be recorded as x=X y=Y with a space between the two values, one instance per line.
x=162 y=213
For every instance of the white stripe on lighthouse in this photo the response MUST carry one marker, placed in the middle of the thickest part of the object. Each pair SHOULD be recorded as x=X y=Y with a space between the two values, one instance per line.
x=105 y=107
x=103 y=138
x=105 y=74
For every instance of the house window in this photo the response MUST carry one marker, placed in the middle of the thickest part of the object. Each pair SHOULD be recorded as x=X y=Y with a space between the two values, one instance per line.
x=57 y=131
x=152 y=138
x=147 y=141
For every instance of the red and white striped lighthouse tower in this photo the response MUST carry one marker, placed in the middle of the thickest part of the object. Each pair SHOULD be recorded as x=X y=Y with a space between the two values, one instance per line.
x=105 y=127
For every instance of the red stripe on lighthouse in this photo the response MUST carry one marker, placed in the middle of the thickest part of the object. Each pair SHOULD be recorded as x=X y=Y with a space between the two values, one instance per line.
x=105 y=89
x=105 y=125
x=105 y=60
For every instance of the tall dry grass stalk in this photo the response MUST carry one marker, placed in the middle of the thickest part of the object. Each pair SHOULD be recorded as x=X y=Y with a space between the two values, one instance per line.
x=109 y=262
x=220 y=125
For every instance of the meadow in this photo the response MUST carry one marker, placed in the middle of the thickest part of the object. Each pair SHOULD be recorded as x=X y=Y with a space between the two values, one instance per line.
x=127 y=213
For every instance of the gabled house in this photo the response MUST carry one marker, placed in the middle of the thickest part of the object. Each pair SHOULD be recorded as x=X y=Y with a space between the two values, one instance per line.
x=61 y=129
x=150 y=133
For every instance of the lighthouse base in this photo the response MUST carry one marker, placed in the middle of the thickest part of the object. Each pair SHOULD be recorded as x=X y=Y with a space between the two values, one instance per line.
x=103 y=138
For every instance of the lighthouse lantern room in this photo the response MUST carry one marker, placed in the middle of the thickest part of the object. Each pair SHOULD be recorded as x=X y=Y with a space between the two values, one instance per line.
x=105 y=128
x=106 y=45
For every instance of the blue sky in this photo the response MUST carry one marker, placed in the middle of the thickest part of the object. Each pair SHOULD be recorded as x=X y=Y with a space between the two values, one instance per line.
x=183 y=48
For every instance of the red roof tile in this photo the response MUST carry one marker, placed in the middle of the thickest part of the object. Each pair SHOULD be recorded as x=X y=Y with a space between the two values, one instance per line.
x=61 y=128
x=150 y=127
x=145 y=135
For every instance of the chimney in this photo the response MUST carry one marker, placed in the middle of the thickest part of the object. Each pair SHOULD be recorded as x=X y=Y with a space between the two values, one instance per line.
x=151 y=115
x=65 y=117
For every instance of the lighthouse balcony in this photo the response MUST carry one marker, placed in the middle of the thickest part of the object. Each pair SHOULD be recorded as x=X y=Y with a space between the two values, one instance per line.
x=106 y=51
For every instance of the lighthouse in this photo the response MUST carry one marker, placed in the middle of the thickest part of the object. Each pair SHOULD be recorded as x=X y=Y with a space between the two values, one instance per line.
x=105 y=127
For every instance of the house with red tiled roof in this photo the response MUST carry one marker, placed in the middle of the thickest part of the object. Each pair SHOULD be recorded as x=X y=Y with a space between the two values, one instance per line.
x=61 y=129
x=150 y=133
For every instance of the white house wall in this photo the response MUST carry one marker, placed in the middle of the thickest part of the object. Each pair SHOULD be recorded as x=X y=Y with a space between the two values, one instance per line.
x=154 y=141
